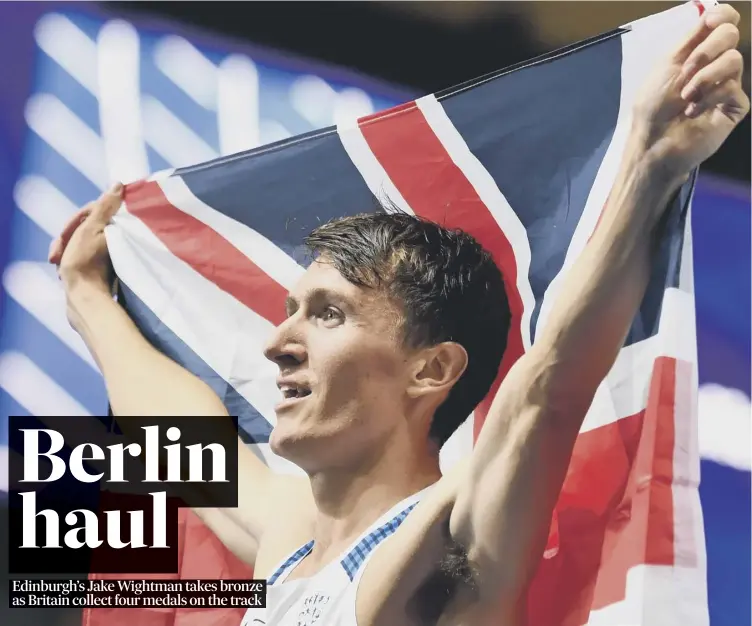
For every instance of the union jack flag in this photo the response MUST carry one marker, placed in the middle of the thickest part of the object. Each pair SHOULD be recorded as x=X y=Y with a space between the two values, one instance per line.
x=524 y=160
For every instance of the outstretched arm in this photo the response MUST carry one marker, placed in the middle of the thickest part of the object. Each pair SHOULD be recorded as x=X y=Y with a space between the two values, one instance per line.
x=503 y=507
x=143 y=382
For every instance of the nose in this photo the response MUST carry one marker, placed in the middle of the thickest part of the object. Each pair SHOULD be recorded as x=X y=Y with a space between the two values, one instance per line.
x=286 y=347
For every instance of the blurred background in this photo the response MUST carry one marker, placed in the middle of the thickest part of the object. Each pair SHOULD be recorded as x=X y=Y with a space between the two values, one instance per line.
x=96 y=92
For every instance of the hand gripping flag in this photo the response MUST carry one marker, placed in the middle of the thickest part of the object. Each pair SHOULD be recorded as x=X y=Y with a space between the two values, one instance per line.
x=524 y=160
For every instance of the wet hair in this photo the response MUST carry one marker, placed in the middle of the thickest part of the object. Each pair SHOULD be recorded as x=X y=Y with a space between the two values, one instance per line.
x=448 y=287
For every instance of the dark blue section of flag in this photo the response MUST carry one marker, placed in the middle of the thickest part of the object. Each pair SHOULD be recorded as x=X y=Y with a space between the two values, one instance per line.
x=252 y=425
x=520 y=126
x=542 y=132
x=286 y=190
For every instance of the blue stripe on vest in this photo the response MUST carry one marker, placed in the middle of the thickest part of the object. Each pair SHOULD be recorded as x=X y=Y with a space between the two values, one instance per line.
x=357 y=556
x=291 y=561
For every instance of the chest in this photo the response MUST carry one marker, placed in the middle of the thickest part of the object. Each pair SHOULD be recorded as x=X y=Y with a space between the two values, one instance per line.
x=327 y=598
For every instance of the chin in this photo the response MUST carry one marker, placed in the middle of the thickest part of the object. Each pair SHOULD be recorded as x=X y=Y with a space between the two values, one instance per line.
x=306 y=451
x=286 y=441
x=277 y=440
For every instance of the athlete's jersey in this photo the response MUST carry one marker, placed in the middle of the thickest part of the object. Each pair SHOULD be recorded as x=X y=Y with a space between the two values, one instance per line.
x=328 y=597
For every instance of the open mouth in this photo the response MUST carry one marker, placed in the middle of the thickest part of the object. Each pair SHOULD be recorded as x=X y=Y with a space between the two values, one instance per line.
x=289 y=392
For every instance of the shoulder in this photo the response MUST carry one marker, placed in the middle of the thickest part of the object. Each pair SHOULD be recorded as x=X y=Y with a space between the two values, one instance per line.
x=418 y=562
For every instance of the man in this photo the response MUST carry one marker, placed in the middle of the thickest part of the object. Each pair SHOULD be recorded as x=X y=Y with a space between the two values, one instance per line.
x=393 y=335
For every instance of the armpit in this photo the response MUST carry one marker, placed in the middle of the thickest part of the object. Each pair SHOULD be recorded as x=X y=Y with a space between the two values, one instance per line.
x=453 y=573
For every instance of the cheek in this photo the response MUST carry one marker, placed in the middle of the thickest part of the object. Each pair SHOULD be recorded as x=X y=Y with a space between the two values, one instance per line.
x=363 y=365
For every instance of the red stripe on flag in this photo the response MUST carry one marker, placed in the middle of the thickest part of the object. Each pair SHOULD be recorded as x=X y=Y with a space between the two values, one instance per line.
x=379 y=115
x=615 y=510
x=435 y=188
x=654 y=468
x=201 y=555
x=207 y=252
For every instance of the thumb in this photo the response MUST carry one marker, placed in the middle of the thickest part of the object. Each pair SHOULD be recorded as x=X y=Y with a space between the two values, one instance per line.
x=107 y=205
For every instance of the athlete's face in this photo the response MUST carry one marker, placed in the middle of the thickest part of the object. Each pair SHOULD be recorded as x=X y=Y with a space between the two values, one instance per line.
x=343 y=370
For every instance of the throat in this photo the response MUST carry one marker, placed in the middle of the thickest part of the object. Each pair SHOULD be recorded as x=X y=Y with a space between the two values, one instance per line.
x=340 y=521
x=348 y=545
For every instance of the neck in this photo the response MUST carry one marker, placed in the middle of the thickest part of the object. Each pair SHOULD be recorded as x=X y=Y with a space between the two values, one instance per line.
x=350 y=499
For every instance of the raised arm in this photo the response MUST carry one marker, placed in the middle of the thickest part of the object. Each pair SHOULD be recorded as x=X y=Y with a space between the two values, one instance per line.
x=143 y=382
x=504 y=504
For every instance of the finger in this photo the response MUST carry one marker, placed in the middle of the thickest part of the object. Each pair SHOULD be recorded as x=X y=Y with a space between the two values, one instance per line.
x=737 y=106
x=57 y=247
x=96 y=214
x=720 y=41
x=726 y=67
x=728 y=95
x=711 y=20
x=723 y=13
x=106 y=206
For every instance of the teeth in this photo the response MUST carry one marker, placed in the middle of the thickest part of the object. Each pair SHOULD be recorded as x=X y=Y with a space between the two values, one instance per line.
x=293 y=392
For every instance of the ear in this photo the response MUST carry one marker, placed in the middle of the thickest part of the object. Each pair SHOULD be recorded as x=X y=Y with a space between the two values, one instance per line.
x=437 y=369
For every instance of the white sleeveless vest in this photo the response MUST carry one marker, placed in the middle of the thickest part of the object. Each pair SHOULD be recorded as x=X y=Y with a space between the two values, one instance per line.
x=328 y=597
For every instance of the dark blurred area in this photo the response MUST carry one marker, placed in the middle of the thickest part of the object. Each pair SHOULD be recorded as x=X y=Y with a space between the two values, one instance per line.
x=427 y=46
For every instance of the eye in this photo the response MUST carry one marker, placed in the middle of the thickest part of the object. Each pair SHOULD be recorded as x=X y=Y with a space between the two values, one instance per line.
x=331 y=316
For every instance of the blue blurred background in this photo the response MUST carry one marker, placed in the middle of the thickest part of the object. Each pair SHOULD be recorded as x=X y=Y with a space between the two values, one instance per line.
x=88 y=90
